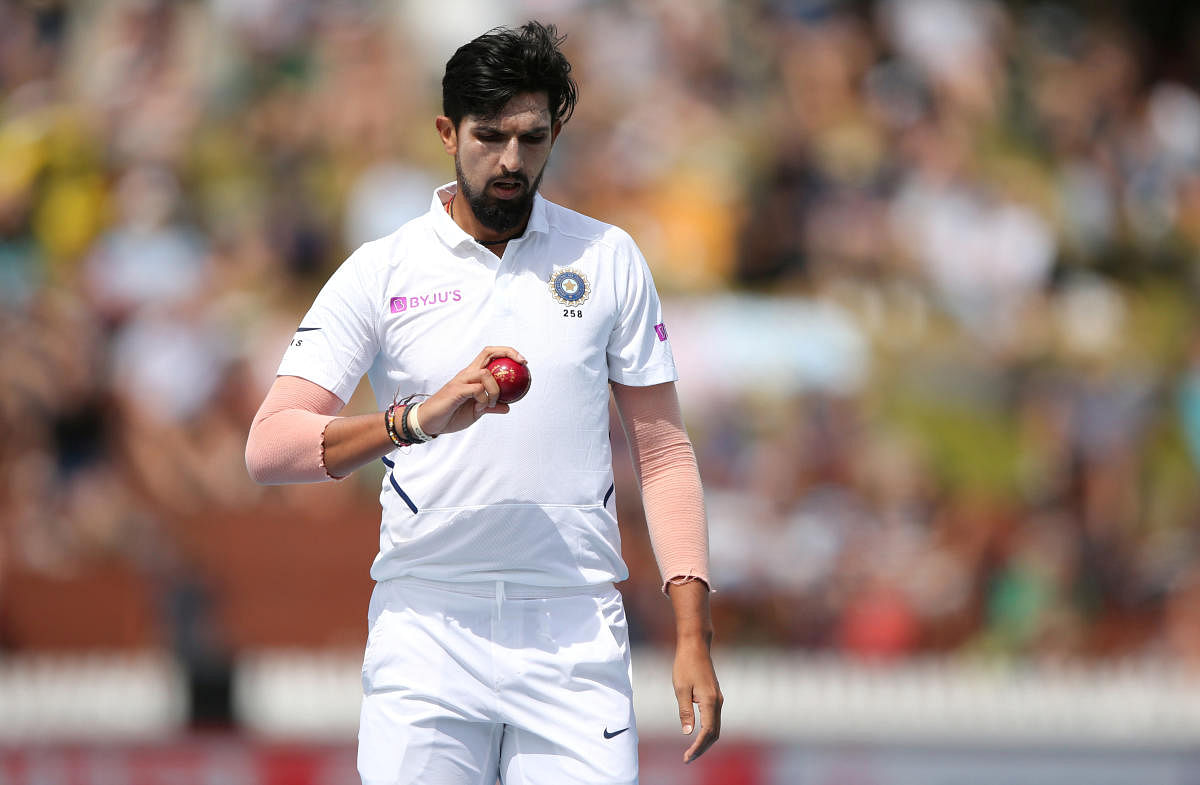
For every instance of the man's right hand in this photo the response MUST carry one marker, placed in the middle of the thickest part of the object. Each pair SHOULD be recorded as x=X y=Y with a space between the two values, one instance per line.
x=472 y=393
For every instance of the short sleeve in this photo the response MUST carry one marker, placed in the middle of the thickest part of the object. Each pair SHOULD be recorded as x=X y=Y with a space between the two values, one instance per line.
x=336 y=341
x=639 y=348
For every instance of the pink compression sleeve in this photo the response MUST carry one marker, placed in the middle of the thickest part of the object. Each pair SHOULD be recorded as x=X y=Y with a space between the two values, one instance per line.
x=670 y=479
x=287 y=439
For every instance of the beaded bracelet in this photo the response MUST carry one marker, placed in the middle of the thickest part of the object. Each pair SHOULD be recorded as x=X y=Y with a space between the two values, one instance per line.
x=390 y=424
x=407 y=434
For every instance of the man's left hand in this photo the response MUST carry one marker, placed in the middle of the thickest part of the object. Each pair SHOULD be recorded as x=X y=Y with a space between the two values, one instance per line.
x=693 y=675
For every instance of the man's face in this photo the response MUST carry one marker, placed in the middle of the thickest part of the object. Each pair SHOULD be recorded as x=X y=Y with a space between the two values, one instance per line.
x=499 y=160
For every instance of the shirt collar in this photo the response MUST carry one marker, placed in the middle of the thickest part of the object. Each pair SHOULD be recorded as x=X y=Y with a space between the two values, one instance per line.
x=453 y=235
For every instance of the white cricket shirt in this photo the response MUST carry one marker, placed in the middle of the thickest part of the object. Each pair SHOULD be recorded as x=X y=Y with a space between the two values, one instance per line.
x=526 y=496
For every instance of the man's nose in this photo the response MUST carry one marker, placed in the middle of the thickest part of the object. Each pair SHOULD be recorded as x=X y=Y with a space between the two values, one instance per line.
x=510 y=158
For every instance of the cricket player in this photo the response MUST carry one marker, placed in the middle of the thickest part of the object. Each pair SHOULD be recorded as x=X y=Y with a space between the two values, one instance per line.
x=497 y=644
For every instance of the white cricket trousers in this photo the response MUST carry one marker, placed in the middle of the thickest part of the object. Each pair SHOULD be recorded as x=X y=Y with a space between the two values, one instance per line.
x=464 y=684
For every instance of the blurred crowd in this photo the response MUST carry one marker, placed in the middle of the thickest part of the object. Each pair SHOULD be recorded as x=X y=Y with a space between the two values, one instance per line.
x=929 y=267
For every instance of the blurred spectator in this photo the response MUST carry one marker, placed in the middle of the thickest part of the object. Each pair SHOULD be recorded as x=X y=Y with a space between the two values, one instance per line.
x=148 y=258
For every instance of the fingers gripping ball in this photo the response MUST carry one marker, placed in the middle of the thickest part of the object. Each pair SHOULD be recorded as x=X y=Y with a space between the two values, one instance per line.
x=512 y=377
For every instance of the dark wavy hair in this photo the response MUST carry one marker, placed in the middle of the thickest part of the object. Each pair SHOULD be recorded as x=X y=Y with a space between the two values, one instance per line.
x=486 y=73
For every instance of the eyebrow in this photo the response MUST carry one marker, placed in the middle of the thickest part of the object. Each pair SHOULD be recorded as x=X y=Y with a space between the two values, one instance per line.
x=488 y=128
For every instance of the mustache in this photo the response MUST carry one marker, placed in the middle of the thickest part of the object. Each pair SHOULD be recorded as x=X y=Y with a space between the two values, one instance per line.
x=519 y=177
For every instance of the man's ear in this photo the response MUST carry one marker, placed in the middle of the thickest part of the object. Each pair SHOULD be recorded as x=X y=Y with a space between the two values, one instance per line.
x=448 y=134
x=554 y=129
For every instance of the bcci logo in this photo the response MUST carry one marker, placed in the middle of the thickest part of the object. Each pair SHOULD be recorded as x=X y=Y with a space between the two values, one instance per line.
x=569 y=287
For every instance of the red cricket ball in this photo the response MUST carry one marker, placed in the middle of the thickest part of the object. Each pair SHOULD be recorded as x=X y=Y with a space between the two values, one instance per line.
x=512 y=377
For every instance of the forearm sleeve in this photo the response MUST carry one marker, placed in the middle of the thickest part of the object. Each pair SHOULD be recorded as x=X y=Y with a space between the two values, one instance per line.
x=670 y=480
x=287 y=438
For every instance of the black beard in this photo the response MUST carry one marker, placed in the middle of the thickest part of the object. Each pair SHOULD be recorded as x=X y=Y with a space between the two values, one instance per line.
x=499 y=215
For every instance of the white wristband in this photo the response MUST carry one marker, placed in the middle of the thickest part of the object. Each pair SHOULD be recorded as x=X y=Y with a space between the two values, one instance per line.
x=414 y=424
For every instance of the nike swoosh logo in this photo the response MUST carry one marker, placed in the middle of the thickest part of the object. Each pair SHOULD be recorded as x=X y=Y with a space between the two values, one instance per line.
x=608 y=735
x=306 y=329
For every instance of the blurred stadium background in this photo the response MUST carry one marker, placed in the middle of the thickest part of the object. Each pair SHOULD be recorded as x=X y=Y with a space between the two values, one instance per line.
x=931 y=272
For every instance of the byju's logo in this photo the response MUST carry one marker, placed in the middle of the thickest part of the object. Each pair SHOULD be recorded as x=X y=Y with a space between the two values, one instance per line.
x=402 y=304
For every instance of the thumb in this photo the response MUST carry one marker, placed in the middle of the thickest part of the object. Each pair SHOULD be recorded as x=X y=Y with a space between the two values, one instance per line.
x=687 y=715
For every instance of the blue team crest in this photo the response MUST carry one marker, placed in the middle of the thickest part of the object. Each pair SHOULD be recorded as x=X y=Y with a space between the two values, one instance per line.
x=569 y=286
